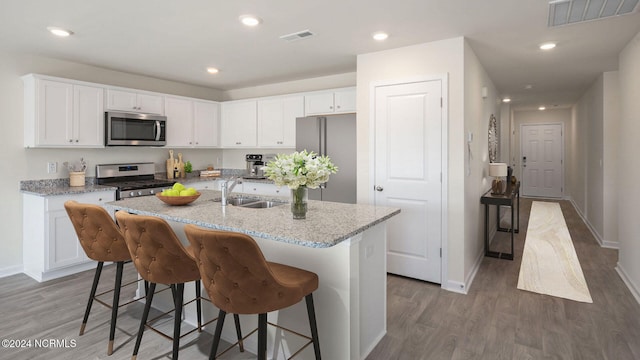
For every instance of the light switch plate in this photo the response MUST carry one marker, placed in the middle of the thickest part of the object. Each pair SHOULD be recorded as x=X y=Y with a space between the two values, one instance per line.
x=52 y=167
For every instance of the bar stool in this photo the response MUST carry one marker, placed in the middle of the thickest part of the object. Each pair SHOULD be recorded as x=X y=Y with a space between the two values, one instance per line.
x=102 y=241
x=239 y=280
x=160 y=258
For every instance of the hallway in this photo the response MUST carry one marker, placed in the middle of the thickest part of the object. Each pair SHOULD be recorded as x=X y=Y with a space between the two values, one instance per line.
x=497 y=321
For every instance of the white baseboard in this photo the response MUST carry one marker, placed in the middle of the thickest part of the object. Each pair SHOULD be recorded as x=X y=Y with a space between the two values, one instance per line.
x=602 y=242
x=635 y=290
x=463 y=287
x=10 y=270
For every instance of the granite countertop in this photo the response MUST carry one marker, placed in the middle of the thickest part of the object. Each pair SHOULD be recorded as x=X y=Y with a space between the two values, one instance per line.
x=53 y=187
x=326 y=225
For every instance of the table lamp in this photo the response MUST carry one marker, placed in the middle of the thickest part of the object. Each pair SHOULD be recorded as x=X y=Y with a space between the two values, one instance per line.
x=497 y=171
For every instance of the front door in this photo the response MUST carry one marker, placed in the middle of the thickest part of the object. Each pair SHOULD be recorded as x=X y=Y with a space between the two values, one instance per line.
x=542 y=158
x=408 y=165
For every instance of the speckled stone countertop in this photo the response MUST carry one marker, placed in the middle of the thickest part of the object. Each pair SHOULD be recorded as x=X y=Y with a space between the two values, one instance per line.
x=326 y=225
x=53 y=187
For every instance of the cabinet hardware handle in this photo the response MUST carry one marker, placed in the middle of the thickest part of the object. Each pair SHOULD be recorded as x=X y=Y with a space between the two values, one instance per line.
x=76 y=140
x=338 y=107
x=70 y=140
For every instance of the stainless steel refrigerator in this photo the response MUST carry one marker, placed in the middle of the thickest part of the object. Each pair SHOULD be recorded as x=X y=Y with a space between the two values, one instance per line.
x=334 y=136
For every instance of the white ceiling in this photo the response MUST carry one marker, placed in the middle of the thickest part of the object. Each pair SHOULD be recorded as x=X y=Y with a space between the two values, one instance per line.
x=177 y=40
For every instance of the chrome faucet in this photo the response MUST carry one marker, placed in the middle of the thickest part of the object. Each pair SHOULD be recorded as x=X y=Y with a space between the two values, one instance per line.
x=226 y=188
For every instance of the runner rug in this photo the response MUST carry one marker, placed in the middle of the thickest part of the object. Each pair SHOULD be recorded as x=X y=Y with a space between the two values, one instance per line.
x=549 y=263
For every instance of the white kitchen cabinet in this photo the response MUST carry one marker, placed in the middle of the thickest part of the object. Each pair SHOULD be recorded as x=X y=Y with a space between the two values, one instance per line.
x=50 y=246
x=62 y=114
x=205 y=185
x=264 y=189
x=206 y=123
x=239 y=124
x=331 y=102
x=192 y=123
x=277 y=121
x=135 y=101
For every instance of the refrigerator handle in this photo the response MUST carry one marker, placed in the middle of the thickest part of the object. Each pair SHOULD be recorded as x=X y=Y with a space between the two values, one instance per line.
x=323 y=141
x=323 y=136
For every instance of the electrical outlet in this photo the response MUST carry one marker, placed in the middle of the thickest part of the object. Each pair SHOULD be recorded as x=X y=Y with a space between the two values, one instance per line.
x=52 y=167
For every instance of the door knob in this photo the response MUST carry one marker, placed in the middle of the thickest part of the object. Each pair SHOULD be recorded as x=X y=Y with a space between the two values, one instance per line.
x=379 y=188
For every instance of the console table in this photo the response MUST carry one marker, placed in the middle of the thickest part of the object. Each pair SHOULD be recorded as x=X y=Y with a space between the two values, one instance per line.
x=510 y=198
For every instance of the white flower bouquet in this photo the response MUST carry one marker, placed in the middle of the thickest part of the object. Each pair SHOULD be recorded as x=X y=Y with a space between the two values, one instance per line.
x=300 y=169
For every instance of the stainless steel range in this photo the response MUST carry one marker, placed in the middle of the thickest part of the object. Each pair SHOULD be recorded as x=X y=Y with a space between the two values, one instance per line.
x=132 y=180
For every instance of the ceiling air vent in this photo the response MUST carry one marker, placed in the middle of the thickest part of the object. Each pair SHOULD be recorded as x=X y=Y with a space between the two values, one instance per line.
x=564 y=12
x=297 y=35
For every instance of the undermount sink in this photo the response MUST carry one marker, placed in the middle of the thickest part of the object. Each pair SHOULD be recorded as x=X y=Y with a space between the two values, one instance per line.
x=239 y=201
x=252 y=203
x=262 y=204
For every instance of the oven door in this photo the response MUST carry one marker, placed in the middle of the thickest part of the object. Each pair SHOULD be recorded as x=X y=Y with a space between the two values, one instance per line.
x=123 y=129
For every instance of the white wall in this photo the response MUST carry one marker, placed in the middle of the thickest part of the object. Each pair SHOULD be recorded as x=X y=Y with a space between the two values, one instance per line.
x=611 y=119
x=629 y=171
x=477 y=111
x=289 y=87
x=28 y=164
x=504 y=122
x=597 y=115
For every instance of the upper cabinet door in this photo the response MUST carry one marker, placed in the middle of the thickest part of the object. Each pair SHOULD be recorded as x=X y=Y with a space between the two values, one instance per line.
x=316 y=104
x=122 y=100
x=54 y=109
x=150 y=104
x=239 y=124
x=179 y=114
x=345 y=101
x=206 y=124
x=331 y=102
x=62 y=114
x=277 y=121
x=131 y=101
x=88 y=116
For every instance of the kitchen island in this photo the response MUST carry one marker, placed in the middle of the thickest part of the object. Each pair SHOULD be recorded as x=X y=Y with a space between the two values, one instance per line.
x=345 y=244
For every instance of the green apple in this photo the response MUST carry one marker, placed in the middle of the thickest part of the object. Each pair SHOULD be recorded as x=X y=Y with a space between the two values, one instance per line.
x=173 y=192
x=178 y=186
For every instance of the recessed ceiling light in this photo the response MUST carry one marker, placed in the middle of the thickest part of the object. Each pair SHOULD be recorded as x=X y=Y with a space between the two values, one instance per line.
x=506 y=100
x=250 y=20
x=542 y=108
x=212 y=70
x=59 y=31
x=528 y=87
x=380 y=36
x=547 y=46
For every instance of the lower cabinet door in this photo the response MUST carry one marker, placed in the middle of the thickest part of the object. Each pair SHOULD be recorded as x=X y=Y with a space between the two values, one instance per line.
x=64 y=247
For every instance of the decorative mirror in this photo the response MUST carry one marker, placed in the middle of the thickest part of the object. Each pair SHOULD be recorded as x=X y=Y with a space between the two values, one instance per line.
x=493 y=139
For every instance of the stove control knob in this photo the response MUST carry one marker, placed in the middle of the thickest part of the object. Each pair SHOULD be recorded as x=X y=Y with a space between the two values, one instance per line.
x=131 y=194
x=139 y=193
x=152 y=191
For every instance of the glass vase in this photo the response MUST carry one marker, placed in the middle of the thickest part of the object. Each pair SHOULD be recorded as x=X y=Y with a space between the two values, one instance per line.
x=299 y=199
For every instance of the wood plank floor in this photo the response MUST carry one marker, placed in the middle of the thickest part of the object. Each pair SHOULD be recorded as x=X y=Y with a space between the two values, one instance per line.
x=497 y=321
x=493 y=321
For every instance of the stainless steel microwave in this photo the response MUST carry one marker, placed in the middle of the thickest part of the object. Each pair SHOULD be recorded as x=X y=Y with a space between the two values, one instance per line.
x=128 y=129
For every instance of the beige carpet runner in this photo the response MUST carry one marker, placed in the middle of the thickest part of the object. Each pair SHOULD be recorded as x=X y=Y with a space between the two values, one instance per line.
x=549 y=263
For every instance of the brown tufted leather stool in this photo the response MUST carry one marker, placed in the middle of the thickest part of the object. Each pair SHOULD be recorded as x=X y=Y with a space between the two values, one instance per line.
x=102 y=241
x=239 y=280
x=160 y=258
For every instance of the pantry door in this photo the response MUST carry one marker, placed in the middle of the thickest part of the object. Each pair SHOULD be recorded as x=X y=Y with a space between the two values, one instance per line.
x=542 y=160
x=408 y=167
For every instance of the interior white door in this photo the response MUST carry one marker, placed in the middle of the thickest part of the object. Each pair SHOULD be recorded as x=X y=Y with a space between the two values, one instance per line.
x=408 y=165
x=542 y=159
